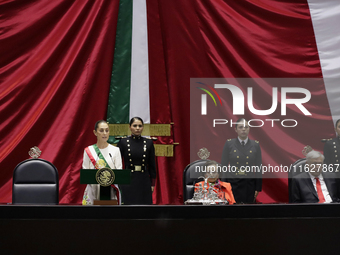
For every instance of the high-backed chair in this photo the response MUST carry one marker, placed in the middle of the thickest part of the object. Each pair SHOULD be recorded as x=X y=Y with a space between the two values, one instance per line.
x=35 y=181
x=296 y=168
x=191 y=176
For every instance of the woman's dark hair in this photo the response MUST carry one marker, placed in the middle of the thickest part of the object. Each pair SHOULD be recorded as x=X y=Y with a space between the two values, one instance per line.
x=336 y=123
x=239 y=121
x=98 y=122
x=134 y=119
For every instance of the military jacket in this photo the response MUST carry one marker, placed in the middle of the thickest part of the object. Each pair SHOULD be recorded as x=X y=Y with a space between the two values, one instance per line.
x=331 y=151
x=138 y=151
x=242 y=158
x=138 y=155
x=244 y=172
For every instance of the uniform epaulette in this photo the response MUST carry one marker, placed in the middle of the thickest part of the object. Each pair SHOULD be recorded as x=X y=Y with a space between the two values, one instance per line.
x=150 y=138
x=120 y=137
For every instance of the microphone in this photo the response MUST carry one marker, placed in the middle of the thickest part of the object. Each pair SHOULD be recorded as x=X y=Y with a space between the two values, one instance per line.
x=112 y=160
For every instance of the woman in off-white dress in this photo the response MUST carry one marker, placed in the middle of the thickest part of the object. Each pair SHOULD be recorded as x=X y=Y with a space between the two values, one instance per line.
x=96 y=156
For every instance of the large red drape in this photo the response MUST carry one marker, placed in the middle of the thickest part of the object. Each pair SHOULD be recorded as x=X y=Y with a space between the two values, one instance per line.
x=55 y=74
x=241 y=40
x=57 y=58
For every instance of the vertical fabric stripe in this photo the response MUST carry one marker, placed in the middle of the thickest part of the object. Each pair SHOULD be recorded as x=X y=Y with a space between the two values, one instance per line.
x=326 y=18
x=158 y=83
x=139 y=94
x=119 y=96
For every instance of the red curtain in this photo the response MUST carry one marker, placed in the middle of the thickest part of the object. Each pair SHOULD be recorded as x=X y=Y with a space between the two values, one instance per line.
x=241 y=39
x=56 y=60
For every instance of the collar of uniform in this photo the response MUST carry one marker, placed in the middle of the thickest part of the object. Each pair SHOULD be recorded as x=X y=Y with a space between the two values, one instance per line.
x=245 y=141
x=135 y=136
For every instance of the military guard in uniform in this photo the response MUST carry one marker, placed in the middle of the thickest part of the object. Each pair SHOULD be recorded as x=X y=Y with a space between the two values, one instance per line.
x=331 y=151
x=243 y=156
x=138 y=154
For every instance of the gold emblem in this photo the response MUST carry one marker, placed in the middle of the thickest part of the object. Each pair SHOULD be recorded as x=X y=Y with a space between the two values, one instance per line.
x=100 y=164
x=306 y=150
x=203 y=153
x=34 y=152
x=105 y=177
x=241 y=172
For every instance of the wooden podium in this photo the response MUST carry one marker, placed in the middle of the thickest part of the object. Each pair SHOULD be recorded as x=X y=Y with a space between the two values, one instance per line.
x=88 y=176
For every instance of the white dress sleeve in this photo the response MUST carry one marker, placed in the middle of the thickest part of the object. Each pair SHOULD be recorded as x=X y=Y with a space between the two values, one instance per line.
x=118 y=159
x=92 y=190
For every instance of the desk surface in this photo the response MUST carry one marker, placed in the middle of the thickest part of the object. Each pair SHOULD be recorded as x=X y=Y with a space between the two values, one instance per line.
x=185 y=229
x=261 y=211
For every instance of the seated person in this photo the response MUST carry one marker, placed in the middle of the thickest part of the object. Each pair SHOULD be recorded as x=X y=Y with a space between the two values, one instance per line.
x=316 y=184
x=223 y=189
